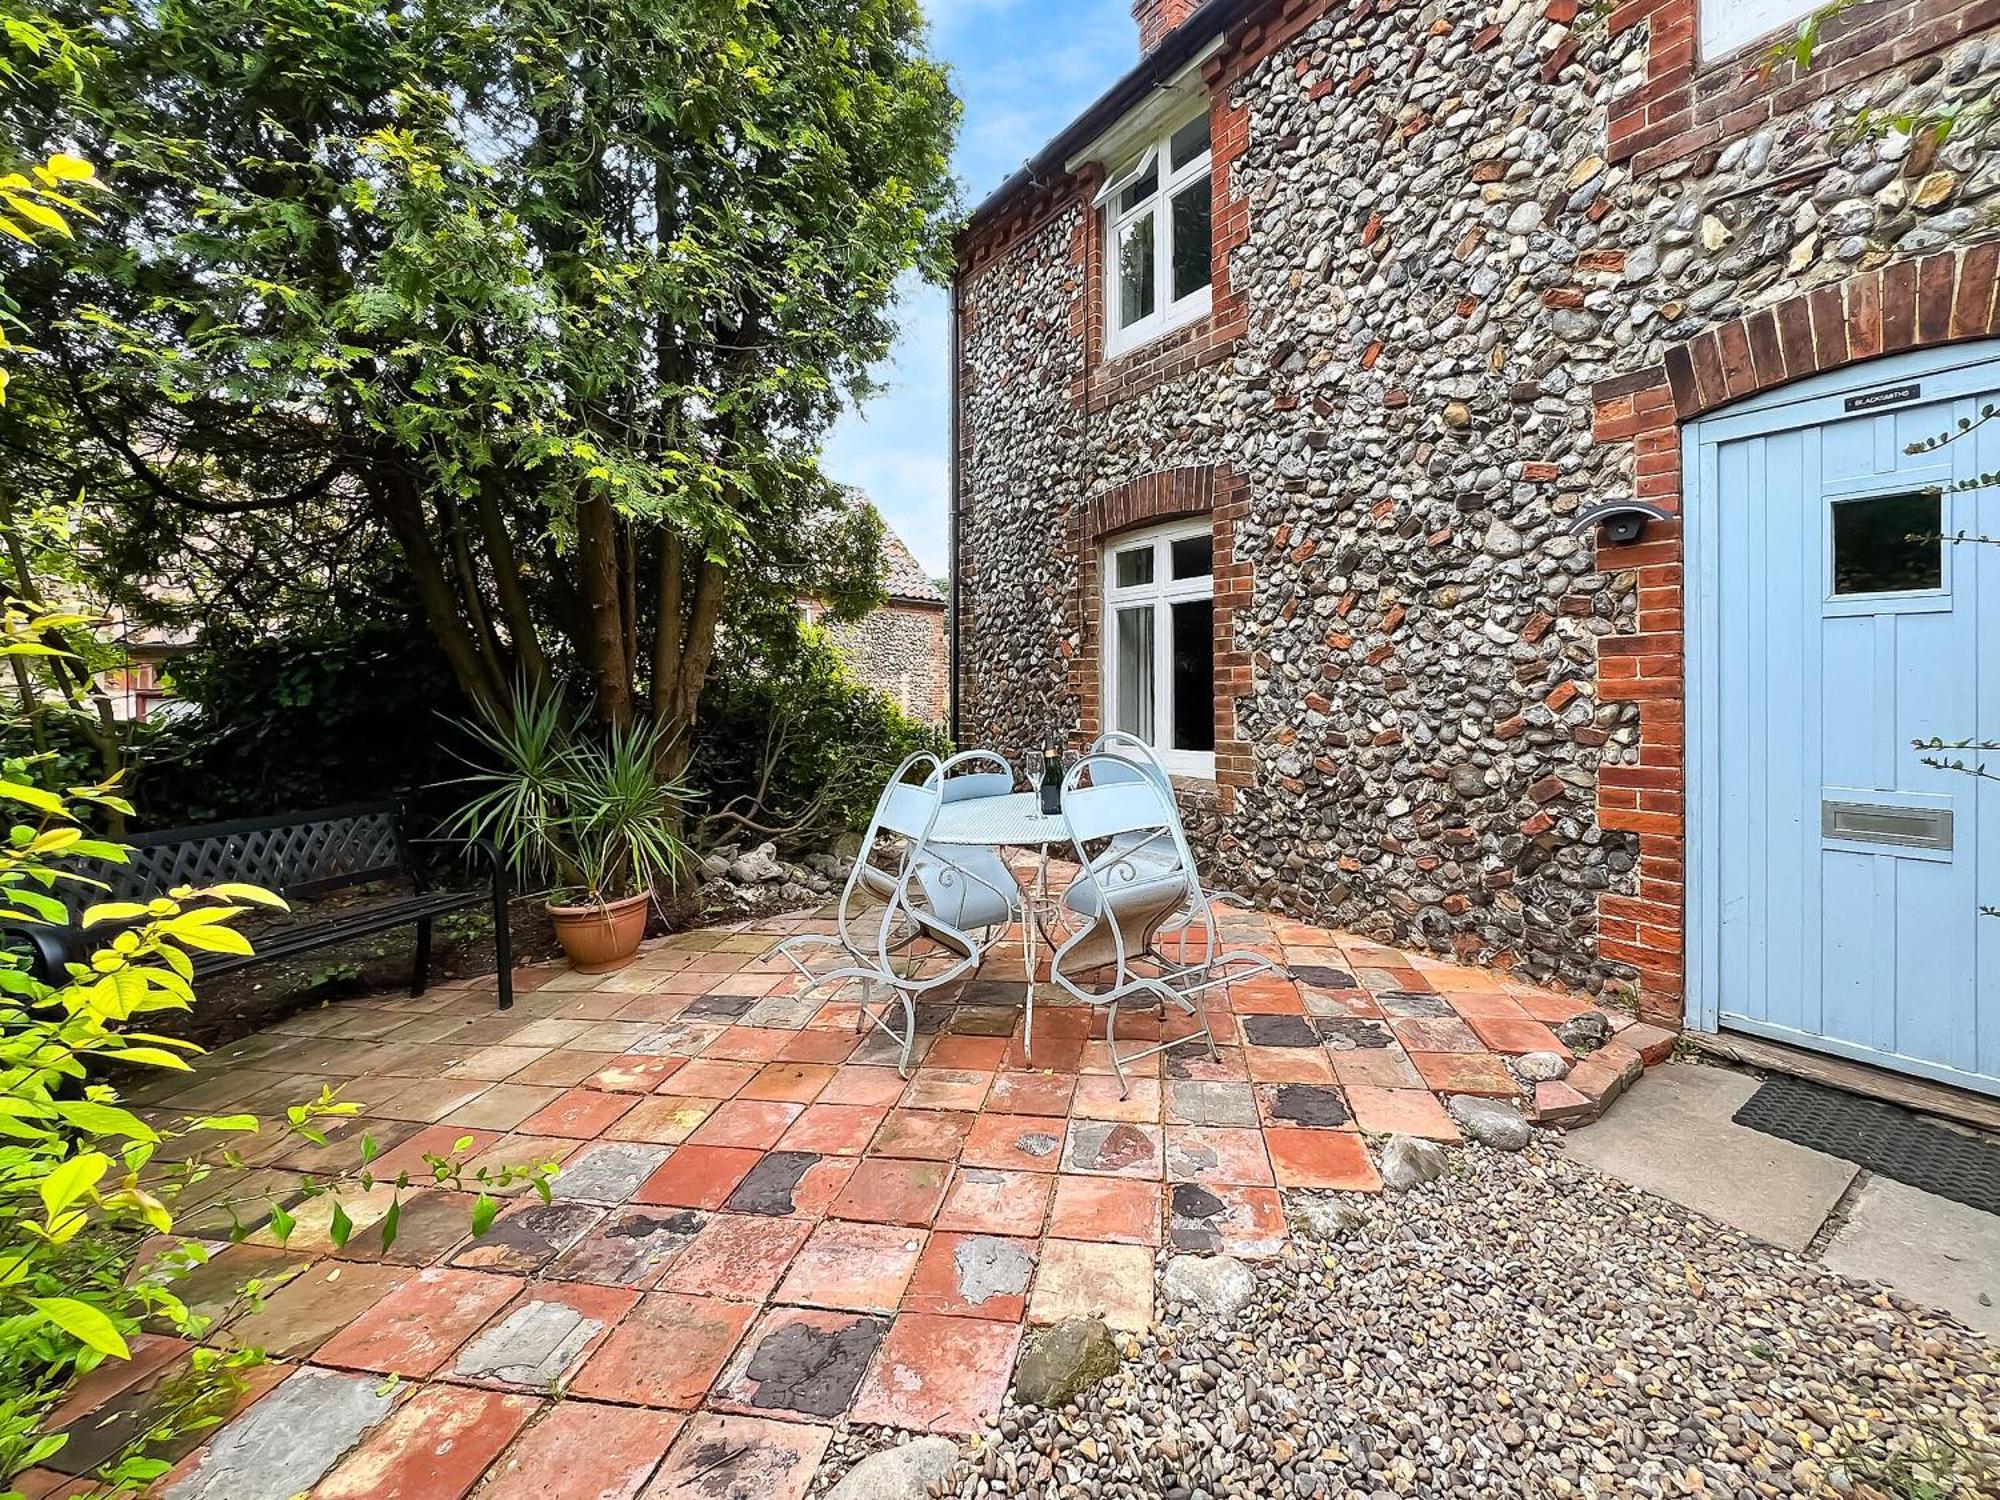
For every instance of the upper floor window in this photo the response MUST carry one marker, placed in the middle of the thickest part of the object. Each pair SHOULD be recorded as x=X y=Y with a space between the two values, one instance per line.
x=1725 y=25
x=1158 y=662
x=1160 y=244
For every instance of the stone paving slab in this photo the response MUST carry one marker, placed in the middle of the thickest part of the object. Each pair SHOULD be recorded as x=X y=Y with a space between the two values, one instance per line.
x=285 y=1443
x=1926 y=1247
x=1673 y=1135
x=760 y=1229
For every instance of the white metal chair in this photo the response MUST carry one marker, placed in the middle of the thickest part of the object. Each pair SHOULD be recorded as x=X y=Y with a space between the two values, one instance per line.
x=1132 y=759
x=928 y=894
x=963 y=784
x=1136 y=876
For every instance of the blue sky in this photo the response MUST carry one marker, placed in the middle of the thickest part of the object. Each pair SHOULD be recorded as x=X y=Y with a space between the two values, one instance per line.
x=1025 y=69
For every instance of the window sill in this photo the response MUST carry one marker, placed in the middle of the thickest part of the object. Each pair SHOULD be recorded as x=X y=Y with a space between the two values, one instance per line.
x=1121 y=348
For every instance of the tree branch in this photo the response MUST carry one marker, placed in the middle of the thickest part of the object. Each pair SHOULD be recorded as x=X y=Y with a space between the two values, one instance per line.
x=477 y=675
x=507 y=588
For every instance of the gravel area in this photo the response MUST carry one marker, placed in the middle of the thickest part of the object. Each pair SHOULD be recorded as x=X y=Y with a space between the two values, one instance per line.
x=1522 y=1326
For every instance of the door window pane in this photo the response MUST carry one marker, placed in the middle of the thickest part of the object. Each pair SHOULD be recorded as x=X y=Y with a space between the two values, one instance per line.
x=1194 y=245
x=1135 y=271
x=1194 y=675
x=1135 y=672
x=1194 y=556
x=1135 y=566
x=1887 y=544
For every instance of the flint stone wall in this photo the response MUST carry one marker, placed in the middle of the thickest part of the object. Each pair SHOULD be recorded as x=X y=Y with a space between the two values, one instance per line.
x=900 y=650
x=1440 y=264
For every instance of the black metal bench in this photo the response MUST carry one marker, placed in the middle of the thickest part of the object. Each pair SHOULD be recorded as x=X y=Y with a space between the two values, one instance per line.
x=303 y=857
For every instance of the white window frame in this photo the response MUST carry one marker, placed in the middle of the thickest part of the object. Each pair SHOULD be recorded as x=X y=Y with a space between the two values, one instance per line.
x=1162 y=593
x=1166 y=315
x=1726 y=26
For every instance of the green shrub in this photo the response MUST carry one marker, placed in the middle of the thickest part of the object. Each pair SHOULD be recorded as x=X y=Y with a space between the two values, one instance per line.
x=795 y=750
x=307 y=719
x=86 y=1183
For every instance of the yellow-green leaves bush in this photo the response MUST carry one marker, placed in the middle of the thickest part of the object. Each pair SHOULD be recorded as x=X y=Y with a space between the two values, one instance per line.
x=87 y=1183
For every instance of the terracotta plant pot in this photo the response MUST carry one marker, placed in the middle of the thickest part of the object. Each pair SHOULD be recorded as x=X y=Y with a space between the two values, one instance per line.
x=599 y=939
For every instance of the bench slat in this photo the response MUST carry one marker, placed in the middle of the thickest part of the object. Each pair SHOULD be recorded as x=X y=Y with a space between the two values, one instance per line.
x=301 y=856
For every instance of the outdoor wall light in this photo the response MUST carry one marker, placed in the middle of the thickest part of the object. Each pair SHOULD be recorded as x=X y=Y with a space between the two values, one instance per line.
x=1624 y=522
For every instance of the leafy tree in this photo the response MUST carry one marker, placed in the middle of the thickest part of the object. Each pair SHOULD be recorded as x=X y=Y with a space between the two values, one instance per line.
x=558 y=295
x=85 y=1177
x=54 y=675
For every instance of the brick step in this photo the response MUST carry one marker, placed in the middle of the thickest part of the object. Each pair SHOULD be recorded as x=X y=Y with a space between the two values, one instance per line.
x=1600 y=1077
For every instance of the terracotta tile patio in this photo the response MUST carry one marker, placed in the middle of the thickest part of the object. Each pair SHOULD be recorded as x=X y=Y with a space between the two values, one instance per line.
x=759 y=1227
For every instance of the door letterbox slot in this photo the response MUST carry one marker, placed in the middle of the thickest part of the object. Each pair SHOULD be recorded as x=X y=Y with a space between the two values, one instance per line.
x=1904 y=827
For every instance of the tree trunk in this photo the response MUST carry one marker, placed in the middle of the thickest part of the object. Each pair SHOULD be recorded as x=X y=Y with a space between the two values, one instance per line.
x=602 y=642
x=478 y=677
x=506 y=563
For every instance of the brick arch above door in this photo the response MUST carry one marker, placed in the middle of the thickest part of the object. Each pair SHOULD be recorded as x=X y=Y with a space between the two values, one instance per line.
x=1908 y=304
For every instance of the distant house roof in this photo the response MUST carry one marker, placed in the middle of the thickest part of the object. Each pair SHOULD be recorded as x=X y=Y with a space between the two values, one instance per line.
x=907 y=582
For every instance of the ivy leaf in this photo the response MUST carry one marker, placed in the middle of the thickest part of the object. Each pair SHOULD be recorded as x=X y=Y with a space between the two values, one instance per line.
x=105 y=1119
x=282 y=1223
x=114 y=911
x=157 y=1057
x=256 y=895
x=33 y=796
x=235 y=1123
x=390 y=1222
x=341 y=1227
x=482 y=1214
x=208 y=937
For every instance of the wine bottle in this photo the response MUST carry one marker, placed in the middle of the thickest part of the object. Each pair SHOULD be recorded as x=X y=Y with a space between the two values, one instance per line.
x=1052 y=780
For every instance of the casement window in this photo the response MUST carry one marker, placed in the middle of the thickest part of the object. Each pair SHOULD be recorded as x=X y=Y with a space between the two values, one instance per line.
x=1722 y=26
x=1158 y=646
x=1158 y=237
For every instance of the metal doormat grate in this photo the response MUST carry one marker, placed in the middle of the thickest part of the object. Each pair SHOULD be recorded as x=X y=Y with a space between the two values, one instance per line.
x=1884 y=1139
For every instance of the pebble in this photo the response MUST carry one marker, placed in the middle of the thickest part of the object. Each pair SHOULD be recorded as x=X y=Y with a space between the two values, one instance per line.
x=1408 y=1161
x=1521 y=1327
x=1491 y=1122
x=1218 y=1285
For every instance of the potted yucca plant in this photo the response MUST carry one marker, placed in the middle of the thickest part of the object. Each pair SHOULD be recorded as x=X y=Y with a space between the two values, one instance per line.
x=581 y=814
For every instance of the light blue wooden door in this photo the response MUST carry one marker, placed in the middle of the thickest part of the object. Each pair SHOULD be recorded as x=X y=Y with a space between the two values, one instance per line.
x=1835 y=880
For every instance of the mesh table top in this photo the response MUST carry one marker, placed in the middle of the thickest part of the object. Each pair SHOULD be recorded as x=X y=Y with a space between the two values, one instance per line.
x=1016 y=819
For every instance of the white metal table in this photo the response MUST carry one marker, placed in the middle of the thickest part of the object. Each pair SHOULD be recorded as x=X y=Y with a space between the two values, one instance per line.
x=1014 y=821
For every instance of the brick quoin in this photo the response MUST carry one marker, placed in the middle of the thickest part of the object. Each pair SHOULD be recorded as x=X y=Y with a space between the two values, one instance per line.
x=1938 y=299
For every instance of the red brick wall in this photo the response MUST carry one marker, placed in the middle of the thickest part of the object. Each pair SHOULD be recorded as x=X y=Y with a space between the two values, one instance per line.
x=1688 y=106
x=1158 y=17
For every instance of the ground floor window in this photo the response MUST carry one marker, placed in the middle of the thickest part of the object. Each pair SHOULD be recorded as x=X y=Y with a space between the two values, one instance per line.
x=1158 y=654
